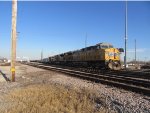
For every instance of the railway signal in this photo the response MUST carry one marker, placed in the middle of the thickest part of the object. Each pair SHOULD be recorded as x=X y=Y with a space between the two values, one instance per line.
x=13 y=38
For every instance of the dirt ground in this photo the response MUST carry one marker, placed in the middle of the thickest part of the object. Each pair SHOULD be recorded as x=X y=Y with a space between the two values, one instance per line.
x=38 y=90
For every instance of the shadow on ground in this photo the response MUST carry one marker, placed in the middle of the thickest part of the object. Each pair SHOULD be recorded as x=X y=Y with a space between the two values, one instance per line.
x=4 y=75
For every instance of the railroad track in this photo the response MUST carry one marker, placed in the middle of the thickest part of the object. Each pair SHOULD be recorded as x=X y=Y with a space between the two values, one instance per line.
x=126 y=80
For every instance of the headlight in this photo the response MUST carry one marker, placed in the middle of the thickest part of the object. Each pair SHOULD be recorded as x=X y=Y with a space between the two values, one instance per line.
x=111 y=54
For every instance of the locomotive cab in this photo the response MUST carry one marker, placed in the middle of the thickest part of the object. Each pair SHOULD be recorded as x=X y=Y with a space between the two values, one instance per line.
x=111 y=56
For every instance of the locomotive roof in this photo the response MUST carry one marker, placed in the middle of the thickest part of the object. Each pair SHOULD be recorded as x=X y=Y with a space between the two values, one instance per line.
x=104 y=43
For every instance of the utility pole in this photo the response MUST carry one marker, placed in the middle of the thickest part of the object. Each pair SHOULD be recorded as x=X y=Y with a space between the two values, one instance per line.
x=86 y=40
x=42 y=55
x=125 y=57
x=13 y=38
x=85 y=46
x=135 y=51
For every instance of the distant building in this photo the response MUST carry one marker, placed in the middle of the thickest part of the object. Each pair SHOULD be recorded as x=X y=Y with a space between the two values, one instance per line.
x=22 y=59
x=3 y=60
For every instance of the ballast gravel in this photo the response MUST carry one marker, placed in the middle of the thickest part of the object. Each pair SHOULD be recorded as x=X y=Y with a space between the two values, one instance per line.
x=118 y=100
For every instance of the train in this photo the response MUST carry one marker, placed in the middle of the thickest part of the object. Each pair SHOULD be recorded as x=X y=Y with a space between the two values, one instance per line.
x=101 y=55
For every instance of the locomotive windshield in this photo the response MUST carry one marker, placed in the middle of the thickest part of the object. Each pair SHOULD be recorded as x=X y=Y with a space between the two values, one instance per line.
x=110 y=46
x=105 y=46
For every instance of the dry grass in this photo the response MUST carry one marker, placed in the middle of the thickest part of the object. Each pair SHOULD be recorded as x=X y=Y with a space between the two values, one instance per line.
x=51 y=99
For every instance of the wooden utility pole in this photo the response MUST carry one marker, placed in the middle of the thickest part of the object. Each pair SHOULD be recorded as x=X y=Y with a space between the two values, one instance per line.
x=13 y=38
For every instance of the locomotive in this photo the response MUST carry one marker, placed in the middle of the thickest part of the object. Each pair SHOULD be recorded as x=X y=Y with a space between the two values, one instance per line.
x=101 y=55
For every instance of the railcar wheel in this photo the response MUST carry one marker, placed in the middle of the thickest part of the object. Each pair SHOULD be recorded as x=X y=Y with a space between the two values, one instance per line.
x=110 y=65
x=117 y=66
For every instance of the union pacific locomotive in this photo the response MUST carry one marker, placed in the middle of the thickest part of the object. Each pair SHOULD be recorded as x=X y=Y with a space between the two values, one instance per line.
x=102 y=55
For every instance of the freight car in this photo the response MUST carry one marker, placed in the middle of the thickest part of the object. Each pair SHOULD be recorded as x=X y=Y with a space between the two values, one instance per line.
x=102 y=55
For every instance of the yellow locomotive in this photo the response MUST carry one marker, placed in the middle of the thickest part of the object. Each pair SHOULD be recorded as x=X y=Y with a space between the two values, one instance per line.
x=102 y=55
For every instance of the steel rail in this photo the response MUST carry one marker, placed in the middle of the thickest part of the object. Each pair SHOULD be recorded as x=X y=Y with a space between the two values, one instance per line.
x=139 y=86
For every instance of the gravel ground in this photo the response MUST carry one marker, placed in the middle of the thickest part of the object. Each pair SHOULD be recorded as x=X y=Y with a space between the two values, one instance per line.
x=118 y=100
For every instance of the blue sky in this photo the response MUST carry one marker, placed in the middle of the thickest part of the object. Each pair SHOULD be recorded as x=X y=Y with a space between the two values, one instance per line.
x=58 y=27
